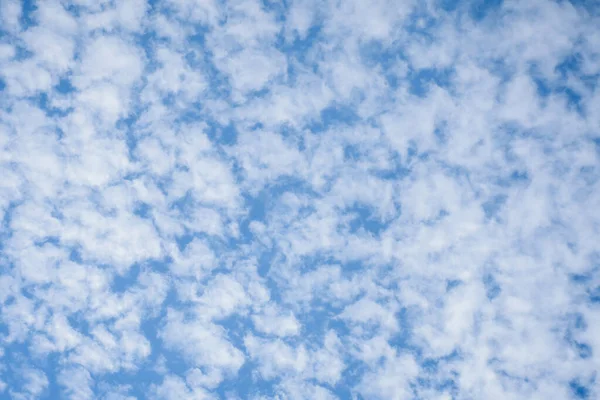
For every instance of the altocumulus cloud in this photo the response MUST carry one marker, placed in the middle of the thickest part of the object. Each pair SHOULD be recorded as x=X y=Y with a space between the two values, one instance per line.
x=256 y=199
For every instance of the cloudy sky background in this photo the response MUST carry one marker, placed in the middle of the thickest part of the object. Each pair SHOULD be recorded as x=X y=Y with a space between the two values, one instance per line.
x=299 y=199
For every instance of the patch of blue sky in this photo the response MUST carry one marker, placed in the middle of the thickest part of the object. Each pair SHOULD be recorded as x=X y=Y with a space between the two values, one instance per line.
x=336 y=114
x=493 y=206
x=28 y=9
x=420 y=81
x=579 y=390
x=589 y=6
x=363 y=219
x=492 y=287
x=481 y=9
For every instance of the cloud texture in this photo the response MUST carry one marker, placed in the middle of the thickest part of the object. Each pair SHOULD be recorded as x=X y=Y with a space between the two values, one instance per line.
x=299 y=200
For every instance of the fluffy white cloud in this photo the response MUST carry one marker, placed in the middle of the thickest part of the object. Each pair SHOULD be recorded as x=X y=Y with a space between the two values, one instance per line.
x=203 y=343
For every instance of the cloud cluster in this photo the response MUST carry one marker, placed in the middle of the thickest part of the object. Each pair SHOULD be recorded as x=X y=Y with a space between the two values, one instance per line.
x=249 y=199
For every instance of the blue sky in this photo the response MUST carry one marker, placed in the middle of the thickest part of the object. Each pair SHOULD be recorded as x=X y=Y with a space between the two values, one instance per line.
x=299 y=200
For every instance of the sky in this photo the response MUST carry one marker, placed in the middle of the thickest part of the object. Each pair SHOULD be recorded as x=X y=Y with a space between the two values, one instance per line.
x=299 y=199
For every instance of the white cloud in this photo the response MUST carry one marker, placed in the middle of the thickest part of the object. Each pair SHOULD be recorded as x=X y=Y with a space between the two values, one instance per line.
x=276 y=358
x=272 y=322
x=11 y=12
x=202 y=342
x=34 y=386
x=77 y=383
x=108 y=59
x=174 y=388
